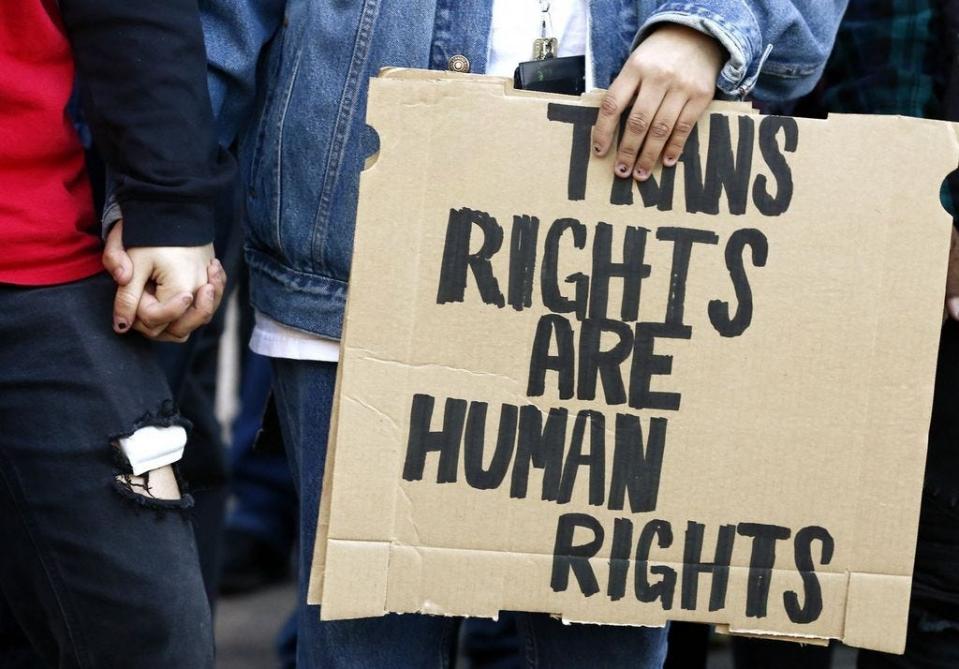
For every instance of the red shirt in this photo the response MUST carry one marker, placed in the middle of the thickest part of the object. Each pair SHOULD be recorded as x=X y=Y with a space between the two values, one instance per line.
x=47 y=231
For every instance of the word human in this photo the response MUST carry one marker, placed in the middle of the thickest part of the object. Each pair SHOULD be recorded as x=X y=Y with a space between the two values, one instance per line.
x=564 y=447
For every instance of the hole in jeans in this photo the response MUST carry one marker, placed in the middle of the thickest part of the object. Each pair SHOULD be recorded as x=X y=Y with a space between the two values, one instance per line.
x=160 y=484
x=146 y=463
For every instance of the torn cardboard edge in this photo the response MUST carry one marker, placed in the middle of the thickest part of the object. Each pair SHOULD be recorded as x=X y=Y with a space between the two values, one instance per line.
x=769 y=636
x=368 y=595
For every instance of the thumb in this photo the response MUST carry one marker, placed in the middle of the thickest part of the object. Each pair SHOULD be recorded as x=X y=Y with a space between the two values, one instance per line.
x=115 y=258
x=128 y=298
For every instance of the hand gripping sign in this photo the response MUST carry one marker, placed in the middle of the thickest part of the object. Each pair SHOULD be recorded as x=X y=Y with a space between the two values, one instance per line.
x=703 y=397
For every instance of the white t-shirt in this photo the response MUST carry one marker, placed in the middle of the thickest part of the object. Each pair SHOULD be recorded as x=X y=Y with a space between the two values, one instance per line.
x=275 y=340
x=516 y=23
x=514 y=26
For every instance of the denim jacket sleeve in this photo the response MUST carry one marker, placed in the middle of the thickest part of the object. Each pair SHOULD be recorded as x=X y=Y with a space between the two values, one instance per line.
x=777 y=48
x=235 y=32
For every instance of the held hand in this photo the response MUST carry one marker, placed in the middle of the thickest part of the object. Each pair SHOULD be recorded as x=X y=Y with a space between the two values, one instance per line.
x=952 y=279
x=205 y=302
x=672 y=75
x=165 y=292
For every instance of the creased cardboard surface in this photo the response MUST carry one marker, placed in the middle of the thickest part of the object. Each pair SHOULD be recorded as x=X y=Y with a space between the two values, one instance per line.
x=804 y=423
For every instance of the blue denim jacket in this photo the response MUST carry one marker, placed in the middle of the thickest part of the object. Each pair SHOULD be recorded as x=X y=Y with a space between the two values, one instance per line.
x=288 y=79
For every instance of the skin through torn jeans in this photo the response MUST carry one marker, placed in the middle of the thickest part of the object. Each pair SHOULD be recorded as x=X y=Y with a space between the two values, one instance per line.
x=92 y=573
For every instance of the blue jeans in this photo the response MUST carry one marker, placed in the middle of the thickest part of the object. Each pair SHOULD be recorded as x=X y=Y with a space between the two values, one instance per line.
x=261 y=484
x=304 y=394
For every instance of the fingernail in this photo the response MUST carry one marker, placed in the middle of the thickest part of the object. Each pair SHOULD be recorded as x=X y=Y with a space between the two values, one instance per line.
x=187 y=300
x=122 y=325
x=641 y=174
x=597 y=148
x=622 y=169
x=669 y=161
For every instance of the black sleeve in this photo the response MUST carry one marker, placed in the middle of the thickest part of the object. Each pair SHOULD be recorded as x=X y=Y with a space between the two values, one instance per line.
x=142 y=72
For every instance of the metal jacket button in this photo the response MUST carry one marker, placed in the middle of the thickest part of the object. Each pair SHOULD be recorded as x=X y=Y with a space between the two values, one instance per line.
x=459 y=63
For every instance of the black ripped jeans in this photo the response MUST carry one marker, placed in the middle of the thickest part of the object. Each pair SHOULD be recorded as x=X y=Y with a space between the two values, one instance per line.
x=89 y=576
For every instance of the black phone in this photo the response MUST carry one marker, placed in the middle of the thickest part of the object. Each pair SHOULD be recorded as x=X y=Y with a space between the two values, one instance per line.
x=553 y=75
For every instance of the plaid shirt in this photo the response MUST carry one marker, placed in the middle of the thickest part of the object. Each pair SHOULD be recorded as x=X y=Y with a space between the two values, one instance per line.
x=888 y=59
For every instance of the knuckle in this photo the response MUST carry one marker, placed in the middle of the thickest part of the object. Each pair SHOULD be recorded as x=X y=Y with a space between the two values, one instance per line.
x=703 y=90
x=660 y=75
x=186 y=329
x=627 y=151
x=637 y=123
x=142 y=329
x=178 y=335
x=660 y=129
x=682 y=129
x=609 y=106
x=695 y=88
x=126 y=302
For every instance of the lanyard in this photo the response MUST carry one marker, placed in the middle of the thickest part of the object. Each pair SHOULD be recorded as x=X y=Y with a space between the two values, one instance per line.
x=546 y=45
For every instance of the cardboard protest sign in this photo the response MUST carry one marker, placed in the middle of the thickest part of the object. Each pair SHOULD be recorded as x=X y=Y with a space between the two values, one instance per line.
x=702 y=398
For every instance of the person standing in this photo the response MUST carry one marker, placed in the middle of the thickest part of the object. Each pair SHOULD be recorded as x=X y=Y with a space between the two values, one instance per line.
x=99 y=566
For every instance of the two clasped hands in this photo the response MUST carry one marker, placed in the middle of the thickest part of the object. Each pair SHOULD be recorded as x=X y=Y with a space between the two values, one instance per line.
x=163 y=292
